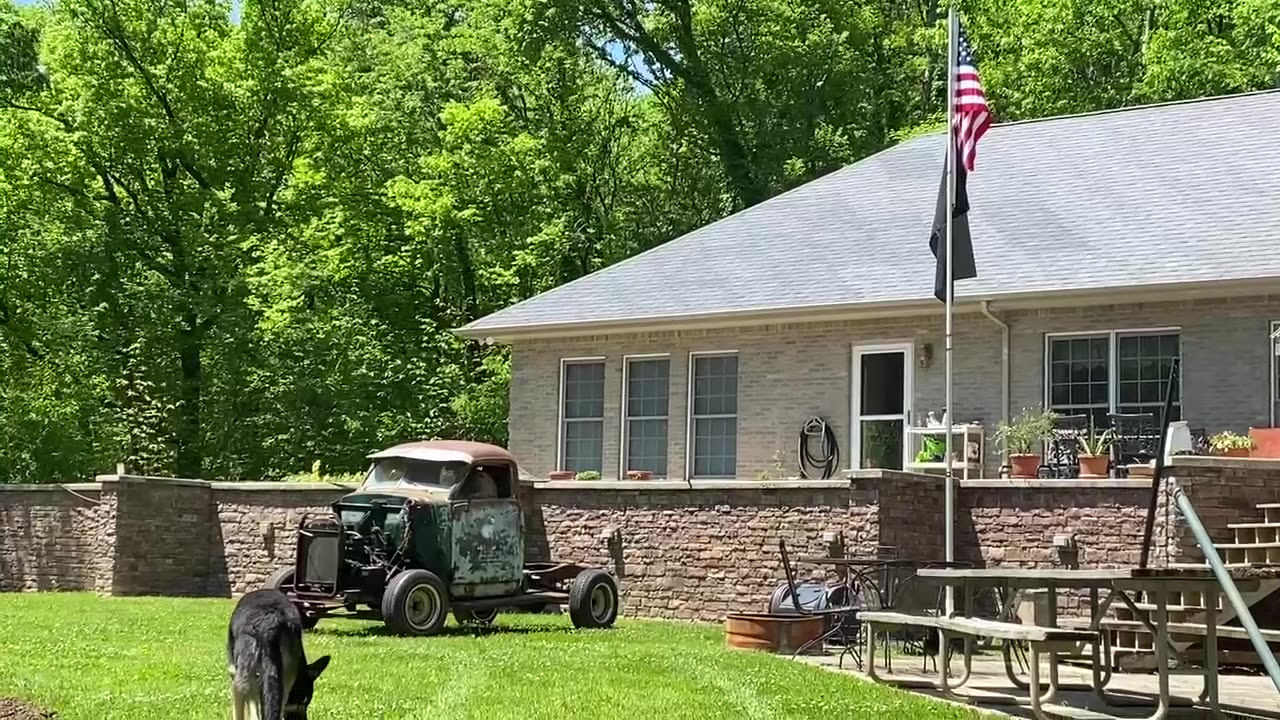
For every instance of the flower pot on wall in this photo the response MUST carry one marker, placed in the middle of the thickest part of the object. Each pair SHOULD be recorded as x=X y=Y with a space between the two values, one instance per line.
x=1268 y=442
x=1093 y=466
x=560 y=475
x=1025 y=466
x=1234 y=452
x=639 y=475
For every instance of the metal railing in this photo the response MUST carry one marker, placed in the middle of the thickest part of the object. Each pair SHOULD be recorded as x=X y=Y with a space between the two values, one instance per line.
x=1228 y=585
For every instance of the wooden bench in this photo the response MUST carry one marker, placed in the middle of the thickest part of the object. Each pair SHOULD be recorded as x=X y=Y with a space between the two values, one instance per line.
x=1047 y=638
x=1040 y=640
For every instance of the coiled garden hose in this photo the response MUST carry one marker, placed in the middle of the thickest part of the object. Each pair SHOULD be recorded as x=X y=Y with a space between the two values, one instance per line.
x=827 y=458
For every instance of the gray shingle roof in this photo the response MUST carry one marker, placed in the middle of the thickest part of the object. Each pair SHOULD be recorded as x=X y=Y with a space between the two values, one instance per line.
x=1171 y=193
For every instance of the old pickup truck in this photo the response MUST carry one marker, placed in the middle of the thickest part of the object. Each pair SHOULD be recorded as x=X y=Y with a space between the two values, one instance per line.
x=435 y=526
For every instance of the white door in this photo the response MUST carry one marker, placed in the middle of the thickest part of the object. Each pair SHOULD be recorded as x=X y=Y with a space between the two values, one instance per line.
x=881 y=405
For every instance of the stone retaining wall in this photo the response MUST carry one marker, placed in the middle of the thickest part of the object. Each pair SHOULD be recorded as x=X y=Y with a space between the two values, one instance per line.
x=684 y=550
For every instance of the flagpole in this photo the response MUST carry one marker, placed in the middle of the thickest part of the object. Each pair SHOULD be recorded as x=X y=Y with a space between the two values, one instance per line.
x=949 y=413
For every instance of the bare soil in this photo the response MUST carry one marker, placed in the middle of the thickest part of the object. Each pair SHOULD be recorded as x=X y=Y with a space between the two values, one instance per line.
x=11 y=709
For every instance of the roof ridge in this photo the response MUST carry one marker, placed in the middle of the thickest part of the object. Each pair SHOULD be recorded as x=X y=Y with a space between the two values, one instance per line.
x=1133 y=108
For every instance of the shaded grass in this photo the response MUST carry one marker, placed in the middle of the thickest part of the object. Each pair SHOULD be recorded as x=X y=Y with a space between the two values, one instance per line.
x=91 y=658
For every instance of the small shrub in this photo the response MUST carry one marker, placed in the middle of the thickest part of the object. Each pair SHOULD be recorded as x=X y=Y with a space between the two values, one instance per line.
x=1027 y=431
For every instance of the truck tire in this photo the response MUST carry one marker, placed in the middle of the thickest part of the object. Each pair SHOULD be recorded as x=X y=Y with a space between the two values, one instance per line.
x=282 y=580
x=593 y=599
x=476 y=617
x=416 y=602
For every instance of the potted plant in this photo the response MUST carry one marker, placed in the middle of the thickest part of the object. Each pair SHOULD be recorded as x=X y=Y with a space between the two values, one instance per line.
x=639 y=475
x=1094 y=452
x=1022 y=439
x=587 y=475
x=931 y=450
x=560 y=475
x=1229 y=444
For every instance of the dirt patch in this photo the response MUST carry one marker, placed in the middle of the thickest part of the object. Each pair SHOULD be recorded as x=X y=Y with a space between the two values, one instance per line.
x=11 y=709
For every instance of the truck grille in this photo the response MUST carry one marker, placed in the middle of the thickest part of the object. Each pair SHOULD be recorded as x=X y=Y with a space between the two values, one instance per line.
x=319 y=558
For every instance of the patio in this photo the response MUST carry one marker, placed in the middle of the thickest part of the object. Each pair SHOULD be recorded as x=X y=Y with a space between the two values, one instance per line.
x=1249 y=696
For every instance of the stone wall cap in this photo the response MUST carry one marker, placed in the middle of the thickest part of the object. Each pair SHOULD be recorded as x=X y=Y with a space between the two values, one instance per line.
x=1068 y=484
x=151 y=480
x=277 y=486
x=898 y=475
x=1220 y=461
x=689 y=484
x=49 y=487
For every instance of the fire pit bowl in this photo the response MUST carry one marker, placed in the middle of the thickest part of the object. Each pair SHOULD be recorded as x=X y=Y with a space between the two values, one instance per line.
x=772 y=632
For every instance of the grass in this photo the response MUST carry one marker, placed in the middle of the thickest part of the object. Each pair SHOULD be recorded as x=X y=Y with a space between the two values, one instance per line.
x=91 y=658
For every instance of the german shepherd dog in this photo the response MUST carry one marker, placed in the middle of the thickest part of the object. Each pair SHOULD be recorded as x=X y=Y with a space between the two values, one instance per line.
x=270 y=677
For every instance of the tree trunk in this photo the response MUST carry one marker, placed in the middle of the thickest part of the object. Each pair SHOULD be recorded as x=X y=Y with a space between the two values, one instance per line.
x=190 y=459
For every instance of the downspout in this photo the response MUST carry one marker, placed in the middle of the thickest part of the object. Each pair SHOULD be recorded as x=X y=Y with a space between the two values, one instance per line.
x=1004 y=369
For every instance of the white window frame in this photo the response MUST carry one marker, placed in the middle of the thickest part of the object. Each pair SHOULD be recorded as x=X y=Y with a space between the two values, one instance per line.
x=624 y=447
x=1113 y=360
x=1273 y=339
x=690 y=380
x=560 y=421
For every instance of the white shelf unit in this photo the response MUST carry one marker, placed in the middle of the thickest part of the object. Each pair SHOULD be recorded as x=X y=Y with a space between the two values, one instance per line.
x=966 y=449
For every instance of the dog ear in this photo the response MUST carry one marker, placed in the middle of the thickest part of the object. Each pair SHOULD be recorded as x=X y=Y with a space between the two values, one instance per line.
x=317 y=667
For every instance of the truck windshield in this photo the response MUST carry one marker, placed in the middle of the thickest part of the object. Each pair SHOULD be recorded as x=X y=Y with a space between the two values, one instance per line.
x=389 y=472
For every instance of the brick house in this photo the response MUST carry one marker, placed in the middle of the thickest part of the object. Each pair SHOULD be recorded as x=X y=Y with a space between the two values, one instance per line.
x=1106 y=244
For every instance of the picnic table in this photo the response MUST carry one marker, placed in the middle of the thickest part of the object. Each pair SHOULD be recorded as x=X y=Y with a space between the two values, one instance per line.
x=1053 y=637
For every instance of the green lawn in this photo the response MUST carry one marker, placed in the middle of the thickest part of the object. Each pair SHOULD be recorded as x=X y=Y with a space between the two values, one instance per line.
x=90 y=658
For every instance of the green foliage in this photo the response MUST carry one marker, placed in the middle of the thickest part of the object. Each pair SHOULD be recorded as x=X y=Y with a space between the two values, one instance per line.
x=230 y=249
x=317 y=475
x=1027 y=431
x=1228 y=440
x=1096 y=443
x=932 y=449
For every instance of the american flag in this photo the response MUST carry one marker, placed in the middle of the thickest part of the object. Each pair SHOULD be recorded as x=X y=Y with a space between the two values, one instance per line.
x=972 y=115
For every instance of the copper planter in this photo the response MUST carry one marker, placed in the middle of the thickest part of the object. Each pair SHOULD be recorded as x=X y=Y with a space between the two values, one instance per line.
x=773 y=633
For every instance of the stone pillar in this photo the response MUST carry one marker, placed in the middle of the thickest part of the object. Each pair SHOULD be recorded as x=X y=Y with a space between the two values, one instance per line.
x=162 y=526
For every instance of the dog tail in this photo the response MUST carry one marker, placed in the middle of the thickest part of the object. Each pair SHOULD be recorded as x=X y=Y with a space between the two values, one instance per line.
x=256 y=676
x=272 y=683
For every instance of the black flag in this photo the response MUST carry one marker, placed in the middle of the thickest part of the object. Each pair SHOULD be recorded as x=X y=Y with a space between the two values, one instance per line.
x=963 y=266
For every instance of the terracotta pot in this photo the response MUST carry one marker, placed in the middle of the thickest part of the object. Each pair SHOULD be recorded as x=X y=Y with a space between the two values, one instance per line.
x=1025 y=466
x=639 y=475
x=1233 y=452
x=1268 y=441
x=772 y=633
x=1093 y=466
x=560 y=475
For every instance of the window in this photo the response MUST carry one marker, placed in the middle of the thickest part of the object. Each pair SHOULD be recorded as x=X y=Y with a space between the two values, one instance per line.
x=1122 y=372
x=714 y=415
x=582 y=415
x=1275 y=374
x=647 y=396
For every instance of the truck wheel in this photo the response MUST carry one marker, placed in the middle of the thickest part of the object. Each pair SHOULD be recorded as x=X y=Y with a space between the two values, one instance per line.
x=475 y=617
x=593 y=599
x=416 y=602
x=281 y=579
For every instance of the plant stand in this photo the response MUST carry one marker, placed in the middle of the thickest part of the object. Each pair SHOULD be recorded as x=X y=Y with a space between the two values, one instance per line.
x=967 y=449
